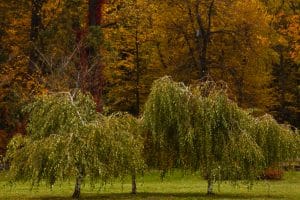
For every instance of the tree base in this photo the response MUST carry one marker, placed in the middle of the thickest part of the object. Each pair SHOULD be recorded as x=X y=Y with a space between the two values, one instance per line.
x=76 y=194
x=133 y=183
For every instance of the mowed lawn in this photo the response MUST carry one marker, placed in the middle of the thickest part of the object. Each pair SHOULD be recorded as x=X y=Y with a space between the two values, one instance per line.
x=175 y=186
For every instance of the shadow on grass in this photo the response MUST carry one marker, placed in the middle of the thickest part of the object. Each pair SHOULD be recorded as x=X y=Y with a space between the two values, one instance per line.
x=153 y=196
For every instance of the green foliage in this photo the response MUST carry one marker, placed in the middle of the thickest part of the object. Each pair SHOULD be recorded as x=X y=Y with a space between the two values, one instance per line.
x=167 y=112
x=68 y=138
x=278 y=142
x=167 y=116
x=59 y=113
x=212 y=133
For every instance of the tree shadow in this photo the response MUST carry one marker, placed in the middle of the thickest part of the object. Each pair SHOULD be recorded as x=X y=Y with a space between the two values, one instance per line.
x=148 y=195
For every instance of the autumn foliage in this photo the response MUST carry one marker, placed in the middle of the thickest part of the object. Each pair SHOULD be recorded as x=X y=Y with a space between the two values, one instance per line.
x=115 y=49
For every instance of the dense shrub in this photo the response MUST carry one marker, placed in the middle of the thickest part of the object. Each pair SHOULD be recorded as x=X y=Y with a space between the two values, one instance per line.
x=272 y=174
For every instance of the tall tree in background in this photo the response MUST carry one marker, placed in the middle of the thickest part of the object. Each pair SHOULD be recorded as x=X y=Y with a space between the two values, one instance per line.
x=129 y=54
x=36 y=28
x=131 y=58
x=228 y=40
x=286 y=70
x=94 y=71
x=15 y=84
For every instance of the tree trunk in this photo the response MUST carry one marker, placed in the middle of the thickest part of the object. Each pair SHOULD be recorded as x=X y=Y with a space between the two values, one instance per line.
x=133 y=183
x=36 y=26
x=77 y=188
x=203 y=37
x=210 y=185
x=137 y=62
x=95 y=78
x=203 y=59
x=210 y=182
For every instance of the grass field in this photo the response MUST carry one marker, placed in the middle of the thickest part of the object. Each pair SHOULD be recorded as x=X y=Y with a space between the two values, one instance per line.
x=150 y=187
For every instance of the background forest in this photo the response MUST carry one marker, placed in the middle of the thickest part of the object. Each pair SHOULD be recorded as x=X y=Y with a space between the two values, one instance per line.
x=114 y=49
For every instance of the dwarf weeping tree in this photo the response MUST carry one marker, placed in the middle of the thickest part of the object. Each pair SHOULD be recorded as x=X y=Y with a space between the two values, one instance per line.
x=199 y=128
x=68 y=138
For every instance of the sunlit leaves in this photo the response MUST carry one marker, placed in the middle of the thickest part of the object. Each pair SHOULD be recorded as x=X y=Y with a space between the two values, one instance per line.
x=67 y=138
x=199 y=128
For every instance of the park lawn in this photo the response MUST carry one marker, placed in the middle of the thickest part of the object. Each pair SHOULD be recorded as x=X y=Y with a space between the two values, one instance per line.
x=175 y=186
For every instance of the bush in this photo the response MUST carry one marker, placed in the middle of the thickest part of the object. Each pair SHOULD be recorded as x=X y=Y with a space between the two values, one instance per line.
x=272 y=174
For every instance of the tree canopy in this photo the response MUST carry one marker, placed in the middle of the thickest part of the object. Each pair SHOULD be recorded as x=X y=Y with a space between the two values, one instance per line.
x=67 y=138
x=201 y=129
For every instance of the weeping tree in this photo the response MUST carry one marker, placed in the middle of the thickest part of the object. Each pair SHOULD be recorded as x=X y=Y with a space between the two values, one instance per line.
x=198 y=128
x=68 y=138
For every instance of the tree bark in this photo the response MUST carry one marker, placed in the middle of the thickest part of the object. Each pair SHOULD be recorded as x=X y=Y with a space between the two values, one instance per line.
x=137 y=62
x=210 y=185
x=77 y=188
x=133 y=183
x=95 y=77
x=36 y=26
x=203 y=37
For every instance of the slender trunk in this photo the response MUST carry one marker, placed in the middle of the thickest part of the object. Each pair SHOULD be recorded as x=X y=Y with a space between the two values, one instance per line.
x=137 y=73
x=137 y=91
x=36 y=26
x=133 y=183
x=282 y=77
x=222 y=64
x=77 y=188
x=210 y=182
x=161 y=57
x=203 y=59
x=210 y=185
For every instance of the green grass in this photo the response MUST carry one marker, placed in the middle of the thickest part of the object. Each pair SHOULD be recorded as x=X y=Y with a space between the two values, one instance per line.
x=174 y=187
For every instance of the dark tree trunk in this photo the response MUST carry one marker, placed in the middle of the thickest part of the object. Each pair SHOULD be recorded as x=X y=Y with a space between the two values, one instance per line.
x=36 y=26
x=133 y=183
x=77 y=188
x=90 y=70
x=203 y=58
x=137 y=61
x=95 y=77
x=95 y=12
x=203 y=36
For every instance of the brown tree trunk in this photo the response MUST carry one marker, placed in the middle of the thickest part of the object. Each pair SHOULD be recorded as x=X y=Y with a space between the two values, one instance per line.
x=137 y=62
x=36 y=26
x=90 y=72
x=95 y=77
x=203 y=37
